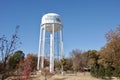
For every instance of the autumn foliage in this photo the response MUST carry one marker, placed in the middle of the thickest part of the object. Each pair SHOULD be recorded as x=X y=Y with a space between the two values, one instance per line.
x=27 y=66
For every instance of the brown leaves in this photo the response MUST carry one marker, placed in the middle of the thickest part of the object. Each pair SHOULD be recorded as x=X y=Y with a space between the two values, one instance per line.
x=110 y=53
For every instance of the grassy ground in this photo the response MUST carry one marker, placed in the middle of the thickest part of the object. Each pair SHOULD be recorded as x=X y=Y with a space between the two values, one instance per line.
x=79 y=76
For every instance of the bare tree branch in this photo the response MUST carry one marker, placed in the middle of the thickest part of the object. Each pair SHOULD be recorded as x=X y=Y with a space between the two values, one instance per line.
x=8 y=47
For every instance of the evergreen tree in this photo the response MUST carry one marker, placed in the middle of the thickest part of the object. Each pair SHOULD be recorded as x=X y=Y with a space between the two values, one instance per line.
x=109 y=71
x=95 y=70
x=15 y=59
x=101 y=71
x=117 y=71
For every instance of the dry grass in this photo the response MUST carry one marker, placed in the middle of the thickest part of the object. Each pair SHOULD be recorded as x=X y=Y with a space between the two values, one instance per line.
x=79 y=76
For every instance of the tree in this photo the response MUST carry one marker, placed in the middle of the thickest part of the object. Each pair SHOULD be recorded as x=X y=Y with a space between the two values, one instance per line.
x=109 y=71
x=46 y=62
x=84 y=59
x=117 y=71
x=63 y=63
x=8 y=47
x=92 y=57
x=57 y=65
x=101 y=72
x=95 y=70
x=76 y=55
x=28 y=64
x=79 y=60
x=113 y=45
x=110 y=53
x=15 y=59
x=66 y=64
x=1 y=66
x=98 y=70
x=34 y=61
x=20 y=69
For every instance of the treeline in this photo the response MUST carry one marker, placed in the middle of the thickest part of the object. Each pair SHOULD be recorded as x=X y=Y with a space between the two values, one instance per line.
x=107 y=62
x=101 y=64
x=19 y=65
x=14 y=62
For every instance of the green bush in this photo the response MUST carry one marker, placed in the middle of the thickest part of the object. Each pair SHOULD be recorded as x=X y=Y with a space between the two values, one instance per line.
x=109 y=71
x=98 y=71
x=101 y=71
x=94 y=70
x=117 y=71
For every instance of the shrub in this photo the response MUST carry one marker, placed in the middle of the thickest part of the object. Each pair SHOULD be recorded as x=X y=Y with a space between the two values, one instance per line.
x=109 y=71
x=98 y=71
x=117 y=71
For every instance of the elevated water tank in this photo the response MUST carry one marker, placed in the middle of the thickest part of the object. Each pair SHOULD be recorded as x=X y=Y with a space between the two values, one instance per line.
x=51 y=19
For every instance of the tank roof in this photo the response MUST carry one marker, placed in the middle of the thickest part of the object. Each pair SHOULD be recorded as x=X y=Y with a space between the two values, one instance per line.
x=51 y=18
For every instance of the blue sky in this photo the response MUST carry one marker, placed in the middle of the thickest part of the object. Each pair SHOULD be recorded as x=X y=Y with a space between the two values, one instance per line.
x=85 y=21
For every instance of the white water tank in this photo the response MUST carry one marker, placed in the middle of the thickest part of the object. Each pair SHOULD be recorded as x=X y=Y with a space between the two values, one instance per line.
x=51 y=40
x=51 y=19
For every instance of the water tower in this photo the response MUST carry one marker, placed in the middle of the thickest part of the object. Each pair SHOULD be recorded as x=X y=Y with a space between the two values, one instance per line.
x=51 y=40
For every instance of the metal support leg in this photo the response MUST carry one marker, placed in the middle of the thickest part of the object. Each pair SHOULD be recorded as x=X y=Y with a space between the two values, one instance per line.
x=43 y=48
x=39 y=49
x=52 y=50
